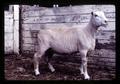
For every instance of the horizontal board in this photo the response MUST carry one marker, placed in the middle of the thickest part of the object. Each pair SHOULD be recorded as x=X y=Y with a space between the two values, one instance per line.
x=84 y=8
x=102 y=64
x=107 y=60
x=64 y=18
x=106 y=34
x=29 y=47
x=31 y=8
x=30 y=34
x=30 y=41
x=103 y=53
x=69 y=9
x=102 y=59
x=39 y=13
x=103 y=41
x=102 y=67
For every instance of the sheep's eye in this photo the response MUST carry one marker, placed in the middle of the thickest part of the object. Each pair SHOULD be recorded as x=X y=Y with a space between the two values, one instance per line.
x=96 y=15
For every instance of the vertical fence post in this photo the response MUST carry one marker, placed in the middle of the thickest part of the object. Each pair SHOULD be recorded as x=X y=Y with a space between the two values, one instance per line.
x=20 y=30
x=16 y=29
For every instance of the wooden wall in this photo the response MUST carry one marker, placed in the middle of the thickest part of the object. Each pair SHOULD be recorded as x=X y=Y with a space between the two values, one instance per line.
x=34 y=18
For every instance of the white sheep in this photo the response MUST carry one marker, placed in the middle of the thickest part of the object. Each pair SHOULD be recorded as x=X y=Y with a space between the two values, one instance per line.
x=69 y=40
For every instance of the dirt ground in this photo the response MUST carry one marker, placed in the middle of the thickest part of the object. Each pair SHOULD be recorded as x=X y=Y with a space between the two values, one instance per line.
x=21 y=68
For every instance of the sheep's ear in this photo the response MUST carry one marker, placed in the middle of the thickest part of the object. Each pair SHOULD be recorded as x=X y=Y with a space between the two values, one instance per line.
x=91 y=13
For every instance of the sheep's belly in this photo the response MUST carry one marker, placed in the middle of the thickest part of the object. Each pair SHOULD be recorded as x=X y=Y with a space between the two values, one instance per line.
x=64 y=47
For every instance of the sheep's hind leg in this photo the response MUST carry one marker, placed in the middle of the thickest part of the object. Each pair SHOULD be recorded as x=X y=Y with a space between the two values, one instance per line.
x=36 y=64
x=38 y=57
x=48 y=55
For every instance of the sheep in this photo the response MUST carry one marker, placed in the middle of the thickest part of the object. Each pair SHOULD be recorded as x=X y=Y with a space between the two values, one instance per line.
x=67 y=40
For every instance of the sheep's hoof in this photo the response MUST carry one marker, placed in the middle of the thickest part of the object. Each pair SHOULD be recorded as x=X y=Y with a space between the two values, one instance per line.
x=82 y=73
x=52 y=70
x=87 y=78
x=37 y=73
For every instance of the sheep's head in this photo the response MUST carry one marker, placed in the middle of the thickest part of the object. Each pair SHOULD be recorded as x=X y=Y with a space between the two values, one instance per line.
x=99 y=18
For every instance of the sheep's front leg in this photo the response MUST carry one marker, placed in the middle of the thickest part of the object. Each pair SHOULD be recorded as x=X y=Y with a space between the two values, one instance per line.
x=83 y=67
x=38 y=57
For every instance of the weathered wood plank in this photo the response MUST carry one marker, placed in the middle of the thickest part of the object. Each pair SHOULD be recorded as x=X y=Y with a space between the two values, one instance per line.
x=29 y=47
x=64 y=18
x=105 y=34
x=69 y=9
x=31 y=8
x=30 y=41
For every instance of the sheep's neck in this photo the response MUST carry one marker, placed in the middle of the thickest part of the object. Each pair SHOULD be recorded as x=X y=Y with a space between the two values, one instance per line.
x=91 y=28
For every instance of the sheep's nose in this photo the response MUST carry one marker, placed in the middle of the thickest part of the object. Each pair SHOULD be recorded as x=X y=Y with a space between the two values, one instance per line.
x=106 y=22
